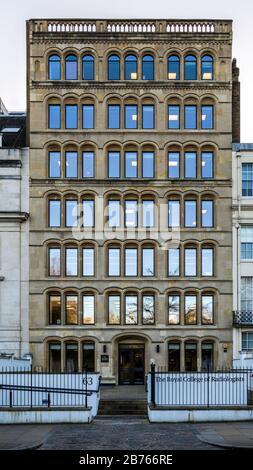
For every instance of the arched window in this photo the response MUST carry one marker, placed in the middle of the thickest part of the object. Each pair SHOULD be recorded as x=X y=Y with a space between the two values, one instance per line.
x=207 y=67
x=190 y=67
x=174 y=356
x=88 y=67
x=71 y=357
x=54 y=350
x=148 y=67
x=207 y=362
x=173 y=67
x=54 y=67
x=113 y=67
x=190 y=356
x=88 y=356
x=131 y=67
x=71 y=67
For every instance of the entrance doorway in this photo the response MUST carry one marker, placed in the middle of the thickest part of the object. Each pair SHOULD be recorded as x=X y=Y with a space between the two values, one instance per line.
x=131 y=364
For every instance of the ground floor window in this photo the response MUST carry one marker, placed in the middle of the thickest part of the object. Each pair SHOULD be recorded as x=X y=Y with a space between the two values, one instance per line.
x=55 y=357
x=89 y=356
x=71 y=357
x=174 y=356
x=247 y=340
x=190 y=357
x=75 y=356
x=207 y=356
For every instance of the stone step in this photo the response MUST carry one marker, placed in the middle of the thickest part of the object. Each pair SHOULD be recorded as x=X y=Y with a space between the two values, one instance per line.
x=122 y=407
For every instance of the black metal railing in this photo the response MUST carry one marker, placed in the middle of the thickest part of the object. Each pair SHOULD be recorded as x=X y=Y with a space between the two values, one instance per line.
x=28 y=389
x=200 y=389
x=242 y=318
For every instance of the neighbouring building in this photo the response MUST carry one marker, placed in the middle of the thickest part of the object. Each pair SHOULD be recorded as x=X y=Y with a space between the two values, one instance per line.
x=14 y=234
x=243 y=254
x=130 y=131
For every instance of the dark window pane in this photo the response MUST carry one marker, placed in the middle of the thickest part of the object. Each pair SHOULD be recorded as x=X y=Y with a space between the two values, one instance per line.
x=88 y=309
x=71 y=213
x=174 y=356
x=131 y=67
x=88 y=116
x=148 y=164
x=148 y=67
x=71 y=164
x=54 y=164
x=131 y=116
x=207 y=67
x=207 y=213
x=55 y=357
x=130 y=262
x=190 y=357
x=190 y=309
x=207 y=117
x=71 y=67
x=174 y=309
x=71 y=309
x=190 y=262
x=190 y=67
x=88 y=261
x=88 y=67
x=131 y=163
x=55 y=309
x=207 y=261
x=190 y=164
x=54 y=213
x=206 y=357
x=190 y=117
x=207 y=309
x=71 y=114
x=148 y=309
x=173 y=117
x=173 y=68
x=148 y=116
x=54 y=116
x=113 y=164
x=207 y=164
x=173 y=164
x=71 y=261
x=131 y=214
x=54 y=261
x=113 y=116
x=148 y=213
x=88 y=356
x=114 y=262
x=71 y=357
x=88 y=164
x=113 y=67
x=131 y=310
x=190 y=214
x=148 y=268
x=174 y=213
x=173 y=262
x=88 y=213
x=54 y=67
x=114 y=309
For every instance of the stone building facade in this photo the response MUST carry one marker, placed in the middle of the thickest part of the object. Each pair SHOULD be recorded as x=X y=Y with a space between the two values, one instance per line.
x=130 y=130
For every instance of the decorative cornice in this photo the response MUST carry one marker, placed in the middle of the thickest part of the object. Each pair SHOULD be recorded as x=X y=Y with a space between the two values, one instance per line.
x=185 y=41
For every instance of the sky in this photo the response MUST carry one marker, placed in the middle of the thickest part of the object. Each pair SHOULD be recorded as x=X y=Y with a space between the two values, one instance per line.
x=14 y=13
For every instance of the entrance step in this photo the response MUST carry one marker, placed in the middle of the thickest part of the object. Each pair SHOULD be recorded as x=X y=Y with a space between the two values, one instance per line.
x=122 y=407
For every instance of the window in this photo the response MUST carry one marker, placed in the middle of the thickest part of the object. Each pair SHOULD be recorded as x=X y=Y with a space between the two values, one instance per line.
x=88 y=213
x=54 y=116
x=207 y=213
x=190 y=262
x=54 y=164
x=174 y=356
x=207 y=67
x=190 y=214
x=88 y=67
x=174 y=213
x=71 y=213
x=207 y=309
x=173 y=67
x=131 y=261
x=148 y=67
x=247 y=340
x=206 y=356
x=114 y=213
x=88 y=164
x=207 y=261
x=207 y=164
x=148 y=116
x=113 y=164
x=174 y=309
x=173 y=117
x=207 y=117
x=247 y=242
x=71 y=261
x=114 y=261
x=113 y=116
x=88 y=116
x=71 y=357
x=190 y=67
x=71 y=165
x=71 y=116
x=247 y=294
x=190 y=309
x=131 y=214
x=190 y=117
x=173 y=262
x=148 y=268
x=148 y=309
x=113 y=67
x=88 y=261
x=247 y=179
x=71 y=67
x=190 y=357
x=131 y=67
x=131 y=165
x=71 y=303
x=55 y=357
x=54 y=309
x=54 y=67
x=88 y=309
x=114 y=309
x=88 y=356
x=190 y=164
x=54 y=213
x=147 y=213
x=173 y=164
x=54 y=261
x=147 y=164
x=131 y=116
x=131 y=311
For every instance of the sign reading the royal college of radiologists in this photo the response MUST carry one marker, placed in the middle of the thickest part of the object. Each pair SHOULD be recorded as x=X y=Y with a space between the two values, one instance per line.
x=201 y=389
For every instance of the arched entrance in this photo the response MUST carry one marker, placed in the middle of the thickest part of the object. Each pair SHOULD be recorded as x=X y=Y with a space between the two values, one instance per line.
x=131 y=358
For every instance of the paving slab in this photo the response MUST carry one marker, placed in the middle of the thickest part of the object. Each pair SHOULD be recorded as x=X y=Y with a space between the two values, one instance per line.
x=228 y=435
x=22 y=436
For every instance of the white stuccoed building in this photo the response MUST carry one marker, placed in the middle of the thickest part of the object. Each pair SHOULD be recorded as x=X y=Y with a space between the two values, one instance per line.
x=14 y=235
x=243 y=255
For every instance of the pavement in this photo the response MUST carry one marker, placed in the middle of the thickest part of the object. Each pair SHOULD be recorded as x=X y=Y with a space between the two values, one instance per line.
x=127 y=433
